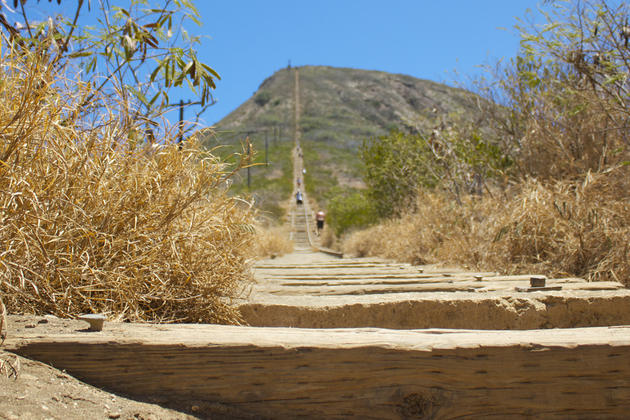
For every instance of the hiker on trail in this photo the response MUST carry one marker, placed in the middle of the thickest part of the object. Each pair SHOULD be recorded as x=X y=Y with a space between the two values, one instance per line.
x=319 y=218
x=304 y=171
x=298 y=198
x=299 y=182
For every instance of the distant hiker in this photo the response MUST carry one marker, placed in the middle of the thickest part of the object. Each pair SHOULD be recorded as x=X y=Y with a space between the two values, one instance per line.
x=299 y=182
x=304 y=171
x=298 y=198
x=319 y=218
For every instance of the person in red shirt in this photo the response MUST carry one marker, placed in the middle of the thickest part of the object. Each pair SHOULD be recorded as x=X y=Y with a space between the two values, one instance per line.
x=320 y=216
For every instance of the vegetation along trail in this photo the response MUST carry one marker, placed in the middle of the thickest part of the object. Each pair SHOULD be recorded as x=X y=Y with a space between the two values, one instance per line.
x=318 y=333
x=331 y=337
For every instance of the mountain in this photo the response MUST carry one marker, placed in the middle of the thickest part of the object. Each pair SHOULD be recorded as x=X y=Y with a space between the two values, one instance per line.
x=338 y=109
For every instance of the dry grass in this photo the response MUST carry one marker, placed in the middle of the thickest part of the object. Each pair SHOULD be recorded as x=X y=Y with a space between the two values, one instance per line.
x=272 y=242
x=327 y=238
x=557 y=229
x=91 y=223
x=415 y=237
x=566 y=228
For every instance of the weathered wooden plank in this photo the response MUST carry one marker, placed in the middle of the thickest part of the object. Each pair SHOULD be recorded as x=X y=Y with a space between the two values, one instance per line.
x=443 y=310
x=353 y=278
x=356 y=373
x=356 y=293
x=447 y=286
x=489 y=283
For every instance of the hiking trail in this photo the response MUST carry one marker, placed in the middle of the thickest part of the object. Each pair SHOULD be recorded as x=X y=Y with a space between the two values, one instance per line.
x=341 y=337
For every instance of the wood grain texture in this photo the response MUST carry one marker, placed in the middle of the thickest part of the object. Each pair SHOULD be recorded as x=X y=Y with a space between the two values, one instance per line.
x=351 y=293
x=441 y=310
x=355 y=373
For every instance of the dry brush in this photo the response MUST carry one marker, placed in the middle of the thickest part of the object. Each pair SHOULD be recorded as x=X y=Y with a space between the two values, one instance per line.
x=92 y=222
x=563 y=228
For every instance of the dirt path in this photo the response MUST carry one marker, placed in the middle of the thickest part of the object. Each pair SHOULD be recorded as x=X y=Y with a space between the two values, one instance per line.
x=33 y=390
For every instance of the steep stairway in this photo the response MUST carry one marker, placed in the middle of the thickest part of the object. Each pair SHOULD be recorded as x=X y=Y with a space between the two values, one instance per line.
x=300 y=229
x=312 y=290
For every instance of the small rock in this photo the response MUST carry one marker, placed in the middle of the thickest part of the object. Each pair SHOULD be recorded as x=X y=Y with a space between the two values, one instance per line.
x=114 y=415
x=43 y=321
x=194 y=408
x=96 y=321
x=29 y=326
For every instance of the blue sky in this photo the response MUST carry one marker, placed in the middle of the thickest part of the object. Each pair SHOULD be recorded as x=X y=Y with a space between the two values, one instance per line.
x=429 y=39
x=246 y=41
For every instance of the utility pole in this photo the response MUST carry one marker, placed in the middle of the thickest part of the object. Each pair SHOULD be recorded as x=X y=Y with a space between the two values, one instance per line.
x=249 y=178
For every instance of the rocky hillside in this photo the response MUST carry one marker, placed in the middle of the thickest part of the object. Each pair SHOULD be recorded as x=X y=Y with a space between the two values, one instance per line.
x=339 y=108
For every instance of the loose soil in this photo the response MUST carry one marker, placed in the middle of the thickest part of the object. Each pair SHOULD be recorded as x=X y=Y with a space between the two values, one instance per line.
x=34 y=390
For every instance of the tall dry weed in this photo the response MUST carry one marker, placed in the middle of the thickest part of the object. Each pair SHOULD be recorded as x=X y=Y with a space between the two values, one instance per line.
x=327 y=238
x=561 y=228
x=567 y=228
x=414 y=237
x=272 y=242
x=89 y=222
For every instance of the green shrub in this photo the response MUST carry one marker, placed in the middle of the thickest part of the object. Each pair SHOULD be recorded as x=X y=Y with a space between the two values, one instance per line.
x=349 y=210
x=262 y=98
x=457 y=159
